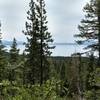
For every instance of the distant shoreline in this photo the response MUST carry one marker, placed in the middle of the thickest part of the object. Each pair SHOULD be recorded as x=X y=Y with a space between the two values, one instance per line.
x=21 y=43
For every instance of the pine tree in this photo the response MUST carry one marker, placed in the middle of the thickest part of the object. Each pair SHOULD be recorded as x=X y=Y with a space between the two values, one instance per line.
x=38 y=38
x=2 y=59
x=14 y=55
x=32 y=45
x=14 y=52
x=90 y=26
x=45 y=38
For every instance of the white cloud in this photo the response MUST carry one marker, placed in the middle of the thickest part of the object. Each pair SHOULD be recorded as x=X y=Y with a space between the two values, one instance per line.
x=13 y=17
x=63 y=17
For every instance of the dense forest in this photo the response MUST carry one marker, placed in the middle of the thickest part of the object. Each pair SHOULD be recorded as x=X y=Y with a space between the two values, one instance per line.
x=36 y=75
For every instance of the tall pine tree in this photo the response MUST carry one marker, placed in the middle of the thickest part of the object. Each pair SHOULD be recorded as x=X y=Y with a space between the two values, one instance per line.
x=45 y=38
x=38 y=43
x=90 y=26
x=31 y=45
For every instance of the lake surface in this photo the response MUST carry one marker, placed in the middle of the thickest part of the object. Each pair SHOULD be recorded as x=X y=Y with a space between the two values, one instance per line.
x=60 y=50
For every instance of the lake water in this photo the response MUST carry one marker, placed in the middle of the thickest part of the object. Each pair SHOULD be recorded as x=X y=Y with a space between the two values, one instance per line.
x=60 y=50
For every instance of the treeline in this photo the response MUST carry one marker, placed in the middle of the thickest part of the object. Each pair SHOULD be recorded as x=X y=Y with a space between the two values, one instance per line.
x=35 y=75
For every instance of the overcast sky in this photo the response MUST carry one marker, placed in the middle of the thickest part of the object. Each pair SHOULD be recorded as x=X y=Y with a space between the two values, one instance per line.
x=63 y=16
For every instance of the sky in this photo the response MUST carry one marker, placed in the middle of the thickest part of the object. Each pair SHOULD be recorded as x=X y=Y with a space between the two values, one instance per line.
x=63 y=18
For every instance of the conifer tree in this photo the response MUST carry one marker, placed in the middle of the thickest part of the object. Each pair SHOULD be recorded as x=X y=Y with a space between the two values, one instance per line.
x=14 y=54
x=32 y=44
x=38 y=38
x=2 y=59
x=90 y=26
x=45 y=38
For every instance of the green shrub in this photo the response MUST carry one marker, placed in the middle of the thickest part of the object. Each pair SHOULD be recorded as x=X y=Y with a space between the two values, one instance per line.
x=48 y=91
